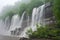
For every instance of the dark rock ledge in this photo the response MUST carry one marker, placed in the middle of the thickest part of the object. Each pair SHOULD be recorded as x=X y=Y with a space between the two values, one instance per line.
x=34 y=39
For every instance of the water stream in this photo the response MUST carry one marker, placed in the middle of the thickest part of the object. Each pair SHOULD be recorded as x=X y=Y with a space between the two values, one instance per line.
x=17 y=21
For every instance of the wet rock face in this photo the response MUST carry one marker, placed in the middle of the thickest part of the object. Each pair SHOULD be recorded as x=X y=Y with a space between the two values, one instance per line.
x=48 y=16
x=48 y=10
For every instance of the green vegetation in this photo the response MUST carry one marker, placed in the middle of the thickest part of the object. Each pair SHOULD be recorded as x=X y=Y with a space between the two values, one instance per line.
x=56 y=10
x=45 y=31
x=42 y=31
x=33 y=4
x=21 y=7
x=29 y=7
x=48 y=1
x=9 y=13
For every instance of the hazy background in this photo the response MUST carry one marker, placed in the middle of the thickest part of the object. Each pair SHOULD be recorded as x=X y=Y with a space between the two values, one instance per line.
x=7 y=2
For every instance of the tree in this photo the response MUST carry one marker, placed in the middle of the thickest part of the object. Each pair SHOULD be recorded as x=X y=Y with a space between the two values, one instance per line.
x=56 y=10
x=21 y=7
x=33 y=4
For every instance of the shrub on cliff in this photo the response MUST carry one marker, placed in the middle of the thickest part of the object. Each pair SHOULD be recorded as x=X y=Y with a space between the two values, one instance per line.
x=44 y=32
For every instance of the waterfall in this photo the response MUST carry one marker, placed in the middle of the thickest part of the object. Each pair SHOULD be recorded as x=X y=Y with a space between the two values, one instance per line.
x=7 y=23
x=37 y=16
x=23 y=34
x=22 y=19
x=4 y=26
x=28 y=21
x=1 y=26
x=16 y=22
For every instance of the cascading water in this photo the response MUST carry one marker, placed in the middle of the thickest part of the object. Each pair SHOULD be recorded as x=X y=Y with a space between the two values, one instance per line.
x=28 y=21
x=22 y=19
x=7 y=23
x=4 y=26
x=16 y=22
x=23 y=34
x=1 y=26
x=37 y=16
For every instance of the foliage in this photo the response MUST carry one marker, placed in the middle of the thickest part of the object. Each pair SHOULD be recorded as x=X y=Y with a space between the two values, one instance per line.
x=48 y=1
x=44 y=32
x=56 y=10
x=47 y=32
x=33 y=4
x=29 y=7
x=21 y=7
x=9 y=13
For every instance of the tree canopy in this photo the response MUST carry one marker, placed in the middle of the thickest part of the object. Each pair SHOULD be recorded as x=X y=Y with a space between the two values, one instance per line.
x=21 y=7
x=56 y=10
